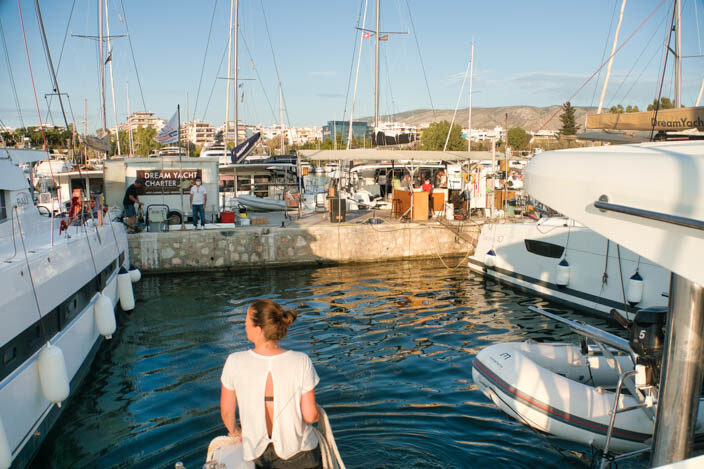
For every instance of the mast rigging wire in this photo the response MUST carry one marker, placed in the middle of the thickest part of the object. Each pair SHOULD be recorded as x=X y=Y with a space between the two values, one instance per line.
x=603 y=54
x=212 y=89
x=664 y=67
x=136 y=70
x=202 y=70
x=581 y=87
x=276 y=67
x=61 y=54
x=50 y=64
x=613 y=97
x=259 y=78
x=12 y=78
x=422 y=66
x=354 y=51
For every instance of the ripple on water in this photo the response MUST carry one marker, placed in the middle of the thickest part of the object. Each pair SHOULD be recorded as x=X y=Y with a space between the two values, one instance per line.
x=393 y=344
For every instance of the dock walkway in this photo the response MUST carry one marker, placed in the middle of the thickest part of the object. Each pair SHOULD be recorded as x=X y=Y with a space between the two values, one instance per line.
x=278 y=240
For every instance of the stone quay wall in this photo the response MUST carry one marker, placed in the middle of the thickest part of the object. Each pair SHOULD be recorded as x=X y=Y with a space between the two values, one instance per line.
x=248 y=247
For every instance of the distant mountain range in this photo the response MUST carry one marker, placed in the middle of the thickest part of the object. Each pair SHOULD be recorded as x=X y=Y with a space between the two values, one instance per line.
x=529 y=118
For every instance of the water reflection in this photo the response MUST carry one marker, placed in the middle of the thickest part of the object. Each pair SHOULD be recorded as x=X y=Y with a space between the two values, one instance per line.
x=393 y=344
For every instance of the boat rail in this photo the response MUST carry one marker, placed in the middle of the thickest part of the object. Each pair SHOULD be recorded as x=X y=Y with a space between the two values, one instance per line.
x=604 y=205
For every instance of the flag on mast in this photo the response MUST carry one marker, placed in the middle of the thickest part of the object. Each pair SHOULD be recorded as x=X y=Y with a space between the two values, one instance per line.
x=365 y=35
x=109 y=57
x=385 y=37
x=169 y=133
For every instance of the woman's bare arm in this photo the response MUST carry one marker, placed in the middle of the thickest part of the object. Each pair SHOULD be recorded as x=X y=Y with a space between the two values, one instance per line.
x=228 y=405
x=309 y=408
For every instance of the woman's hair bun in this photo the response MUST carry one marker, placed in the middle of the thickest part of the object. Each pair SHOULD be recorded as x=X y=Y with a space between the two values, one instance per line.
x=288 y=316
x=272 y=318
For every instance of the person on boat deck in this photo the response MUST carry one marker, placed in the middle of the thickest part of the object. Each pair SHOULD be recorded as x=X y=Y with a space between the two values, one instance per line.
x=131 y=198
x=381 y=180
x=406 y=183
x=275 y=390
x=199 y=197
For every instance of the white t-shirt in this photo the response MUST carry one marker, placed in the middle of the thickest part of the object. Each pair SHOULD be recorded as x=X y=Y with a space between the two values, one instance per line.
x=293 y=375
x=198 y=193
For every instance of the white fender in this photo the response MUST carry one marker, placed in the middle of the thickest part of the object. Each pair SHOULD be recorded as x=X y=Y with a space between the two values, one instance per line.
x=135 y=274
x=635 y=289
x=104 y=316
x=124 y=290
x=490 y=258
x=563 y=273
x=5 y=452
x=52 y=374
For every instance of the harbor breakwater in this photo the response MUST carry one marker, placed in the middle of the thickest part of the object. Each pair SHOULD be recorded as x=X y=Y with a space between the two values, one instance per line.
x=248 y=247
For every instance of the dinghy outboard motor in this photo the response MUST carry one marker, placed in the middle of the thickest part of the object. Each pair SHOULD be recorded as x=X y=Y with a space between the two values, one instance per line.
x=648 y=340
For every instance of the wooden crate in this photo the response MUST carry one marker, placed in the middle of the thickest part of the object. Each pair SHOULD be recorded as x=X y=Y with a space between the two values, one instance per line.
x=260 y=221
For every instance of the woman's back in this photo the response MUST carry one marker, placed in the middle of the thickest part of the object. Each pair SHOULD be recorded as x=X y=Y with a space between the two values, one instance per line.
x=292 y=374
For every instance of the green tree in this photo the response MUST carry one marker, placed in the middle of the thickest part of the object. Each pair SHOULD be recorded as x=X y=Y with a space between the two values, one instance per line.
x=616 y=109
x=619 y=109
x=144 y=142
x=434 y=136
x=569 y=125
x=665 y=103
x=518 y=138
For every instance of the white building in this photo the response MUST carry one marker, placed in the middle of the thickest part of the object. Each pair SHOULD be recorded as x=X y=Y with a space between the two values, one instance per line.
x=198 y=133
x=481 y=135
x=243 y=130
x=138 y=120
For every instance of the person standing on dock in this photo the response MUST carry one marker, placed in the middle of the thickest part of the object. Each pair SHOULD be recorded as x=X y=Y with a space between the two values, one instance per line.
x=131 y=198
x=268 y=378
x=199 y=197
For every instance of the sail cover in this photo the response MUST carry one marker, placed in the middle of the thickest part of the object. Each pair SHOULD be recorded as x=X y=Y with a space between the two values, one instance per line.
x=240 y=152
x=666 y=120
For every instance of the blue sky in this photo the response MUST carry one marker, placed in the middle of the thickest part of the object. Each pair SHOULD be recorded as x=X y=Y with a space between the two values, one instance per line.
x=528 y=53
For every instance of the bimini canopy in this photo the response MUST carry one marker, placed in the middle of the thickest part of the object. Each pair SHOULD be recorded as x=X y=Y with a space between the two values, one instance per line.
x=21 y=156
x=369 y=154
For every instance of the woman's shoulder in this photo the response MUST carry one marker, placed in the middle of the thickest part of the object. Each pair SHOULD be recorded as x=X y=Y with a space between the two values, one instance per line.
x=299 y=357
x=238 y=356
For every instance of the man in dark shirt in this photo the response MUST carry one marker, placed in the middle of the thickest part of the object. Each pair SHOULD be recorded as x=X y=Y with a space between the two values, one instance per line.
x=131 y=198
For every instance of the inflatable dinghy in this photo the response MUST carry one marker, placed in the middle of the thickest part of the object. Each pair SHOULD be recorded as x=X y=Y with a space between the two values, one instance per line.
x=569 y=390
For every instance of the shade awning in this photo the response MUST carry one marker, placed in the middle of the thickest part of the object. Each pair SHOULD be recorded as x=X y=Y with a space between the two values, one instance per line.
x=368 y=154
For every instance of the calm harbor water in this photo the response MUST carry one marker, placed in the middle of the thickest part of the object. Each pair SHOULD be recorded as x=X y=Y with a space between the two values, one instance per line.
x=393 y=344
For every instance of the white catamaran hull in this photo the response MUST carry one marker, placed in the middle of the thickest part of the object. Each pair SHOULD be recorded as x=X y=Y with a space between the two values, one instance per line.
x=66 y=283
x=527 y=257
x=555 y=389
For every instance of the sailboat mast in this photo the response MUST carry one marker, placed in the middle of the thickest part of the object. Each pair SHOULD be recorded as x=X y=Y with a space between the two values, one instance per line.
x=611 y=59
x=229 y=74
x=236 y=82
x=376 y=70
x=129 y=124
x=281 y=118
x=469 y=111
x=102 y=64
x=112 y=81
x=678 y=55
x=356 y=76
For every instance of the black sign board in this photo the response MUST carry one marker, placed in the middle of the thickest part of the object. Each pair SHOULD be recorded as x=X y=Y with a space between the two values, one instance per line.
x=166 y=181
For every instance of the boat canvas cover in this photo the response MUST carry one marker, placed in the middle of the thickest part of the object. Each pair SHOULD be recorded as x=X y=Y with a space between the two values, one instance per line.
x=401 y=155
x=667 y=119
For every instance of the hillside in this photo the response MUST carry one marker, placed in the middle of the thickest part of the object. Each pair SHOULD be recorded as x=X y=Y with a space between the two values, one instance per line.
x=529 y=118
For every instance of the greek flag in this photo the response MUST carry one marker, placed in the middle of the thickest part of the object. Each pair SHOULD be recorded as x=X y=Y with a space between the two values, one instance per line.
x=169 y=133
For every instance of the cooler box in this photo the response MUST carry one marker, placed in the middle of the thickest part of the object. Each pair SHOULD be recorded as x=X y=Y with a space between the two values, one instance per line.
x=227 y=217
